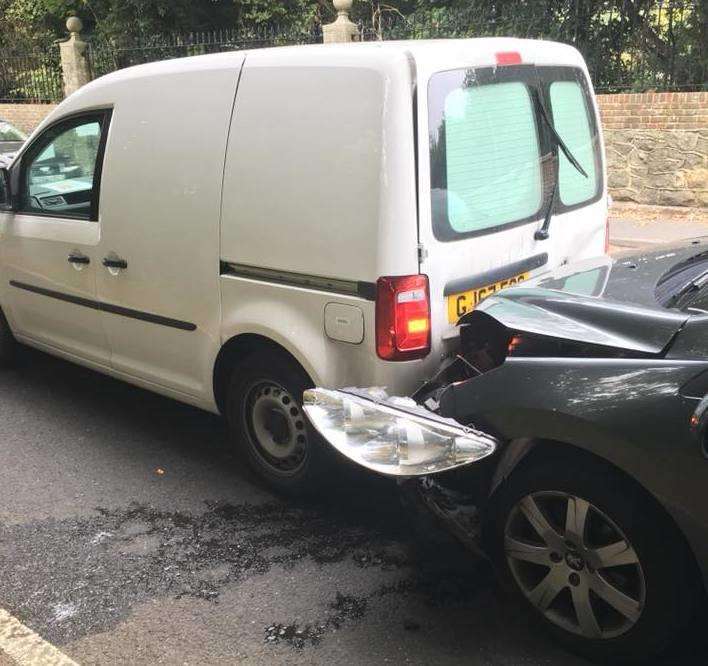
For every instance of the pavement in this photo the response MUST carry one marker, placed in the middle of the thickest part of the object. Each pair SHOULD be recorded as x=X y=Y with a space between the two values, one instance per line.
x=634 y=226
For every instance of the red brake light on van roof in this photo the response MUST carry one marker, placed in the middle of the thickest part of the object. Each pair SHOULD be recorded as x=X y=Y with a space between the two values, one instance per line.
x=508 y=58
x=402 y=317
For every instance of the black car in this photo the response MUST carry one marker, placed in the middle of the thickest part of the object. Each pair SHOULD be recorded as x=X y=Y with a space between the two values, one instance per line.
x=593 y=501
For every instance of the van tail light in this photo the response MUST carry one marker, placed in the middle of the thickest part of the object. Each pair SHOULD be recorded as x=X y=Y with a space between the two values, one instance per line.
x=402 y=317
x=607 y=234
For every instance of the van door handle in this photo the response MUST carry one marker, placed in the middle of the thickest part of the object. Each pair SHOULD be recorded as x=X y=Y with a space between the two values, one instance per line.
x=77 y=258
x=115 y=263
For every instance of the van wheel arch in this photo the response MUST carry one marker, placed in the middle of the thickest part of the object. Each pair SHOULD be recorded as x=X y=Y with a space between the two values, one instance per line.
x=234 y=352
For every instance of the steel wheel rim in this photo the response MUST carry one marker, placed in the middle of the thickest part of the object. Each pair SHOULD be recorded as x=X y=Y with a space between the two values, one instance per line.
x=574 y=565
x=275 y=426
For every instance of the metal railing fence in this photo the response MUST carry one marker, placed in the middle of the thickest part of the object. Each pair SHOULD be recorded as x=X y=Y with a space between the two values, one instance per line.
x=106 y=57
x=629 y=45
x=31 y=77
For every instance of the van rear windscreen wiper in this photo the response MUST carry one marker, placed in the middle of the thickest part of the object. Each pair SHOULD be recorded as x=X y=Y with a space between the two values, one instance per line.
x=559 y=141
x=542 y=233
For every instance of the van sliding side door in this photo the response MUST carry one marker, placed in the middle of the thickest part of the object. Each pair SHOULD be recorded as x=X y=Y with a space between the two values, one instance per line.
x=160 y=230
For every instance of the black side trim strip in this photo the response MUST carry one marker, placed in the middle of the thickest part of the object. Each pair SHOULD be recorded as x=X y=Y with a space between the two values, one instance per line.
x=147 y=316
x=107 y=307
x=496 y=274
x=365 y=290
x=68 y=298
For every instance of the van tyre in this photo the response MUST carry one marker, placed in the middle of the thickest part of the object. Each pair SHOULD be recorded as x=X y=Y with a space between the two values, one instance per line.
x=593 y=559
x=9 y=347
x=266 y=419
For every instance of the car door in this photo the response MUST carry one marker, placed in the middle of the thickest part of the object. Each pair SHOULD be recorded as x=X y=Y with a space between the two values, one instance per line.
x=48 y=244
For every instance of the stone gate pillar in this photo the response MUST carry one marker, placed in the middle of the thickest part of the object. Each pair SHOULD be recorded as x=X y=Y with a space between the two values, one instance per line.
x=343 y=29
x=75 y=67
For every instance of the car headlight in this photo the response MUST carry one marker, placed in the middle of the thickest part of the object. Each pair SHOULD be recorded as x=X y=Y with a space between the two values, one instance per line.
x=393 y=436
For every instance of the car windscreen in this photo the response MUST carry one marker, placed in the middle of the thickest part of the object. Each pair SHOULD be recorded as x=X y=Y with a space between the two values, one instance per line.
x=10 y=133
x=493 y=162
x=685 y=286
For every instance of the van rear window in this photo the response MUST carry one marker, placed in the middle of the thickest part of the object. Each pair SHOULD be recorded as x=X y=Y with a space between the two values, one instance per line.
x=571 y=118
x=493 y=161
x=492 y=146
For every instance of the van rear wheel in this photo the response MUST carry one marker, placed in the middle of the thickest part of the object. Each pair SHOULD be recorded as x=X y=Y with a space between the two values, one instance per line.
x=264 y=411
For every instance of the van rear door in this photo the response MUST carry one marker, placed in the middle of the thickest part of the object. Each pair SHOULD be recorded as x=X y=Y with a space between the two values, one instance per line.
x=511 y=146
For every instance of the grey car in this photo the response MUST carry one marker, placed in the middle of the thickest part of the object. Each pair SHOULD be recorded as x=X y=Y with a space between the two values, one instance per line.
x=11 y=139
x=593 y=502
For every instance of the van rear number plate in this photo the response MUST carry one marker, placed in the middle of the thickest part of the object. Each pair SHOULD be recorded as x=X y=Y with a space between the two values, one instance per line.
x=460 y=304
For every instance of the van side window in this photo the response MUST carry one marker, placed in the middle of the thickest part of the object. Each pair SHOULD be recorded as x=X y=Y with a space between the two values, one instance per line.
x=571 y=118
x=61 y=170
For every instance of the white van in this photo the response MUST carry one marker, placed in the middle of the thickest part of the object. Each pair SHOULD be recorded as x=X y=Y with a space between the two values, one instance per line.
x=230 y=229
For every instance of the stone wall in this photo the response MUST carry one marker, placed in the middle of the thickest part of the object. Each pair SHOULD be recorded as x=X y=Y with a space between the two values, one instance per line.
x=657 y=147
x=25 y=116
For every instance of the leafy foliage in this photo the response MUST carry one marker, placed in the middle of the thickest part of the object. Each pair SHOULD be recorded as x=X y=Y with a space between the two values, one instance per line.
x=627 y=42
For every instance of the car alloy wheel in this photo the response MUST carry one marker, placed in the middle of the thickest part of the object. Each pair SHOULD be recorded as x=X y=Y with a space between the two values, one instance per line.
x=276 y=427
x=574 y=565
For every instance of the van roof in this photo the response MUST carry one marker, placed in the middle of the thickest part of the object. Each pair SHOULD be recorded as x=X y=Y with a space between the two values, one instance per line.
x=421 y=58
x=473 y=52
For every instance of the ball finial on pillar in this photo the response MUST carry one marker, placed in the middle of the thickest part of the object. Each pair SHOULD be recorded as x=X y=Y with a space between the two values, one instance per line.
x=343 y=6
x=342 y=30
x=74 y=25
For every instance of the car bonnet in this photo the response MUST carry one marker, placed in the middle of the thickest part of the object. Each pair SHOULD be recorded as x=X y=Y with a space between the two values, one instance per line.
x=607 y=302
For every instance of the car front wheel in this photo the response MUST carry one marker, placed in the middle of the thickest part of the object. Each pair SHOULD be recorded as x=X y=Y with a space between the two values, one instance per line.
x=593 y=559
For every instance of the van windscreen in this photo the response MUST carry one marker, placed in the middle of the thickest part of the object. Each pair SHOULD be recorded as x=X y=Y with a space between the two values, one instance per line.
x=493 y=161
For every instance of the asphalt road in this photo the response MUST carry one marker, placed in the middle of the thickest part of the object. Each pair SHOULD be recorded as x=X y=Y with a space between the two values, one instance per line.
x=131 y=533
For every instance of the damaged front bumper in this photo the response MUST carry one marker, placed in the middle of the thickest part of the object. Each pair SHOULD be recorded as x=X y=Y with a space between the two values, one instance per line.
x=437 y=508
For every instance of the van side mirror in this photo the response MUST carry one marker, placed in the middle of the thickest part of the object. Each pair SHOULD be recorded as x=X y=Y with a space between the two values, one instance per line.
x=6 y=201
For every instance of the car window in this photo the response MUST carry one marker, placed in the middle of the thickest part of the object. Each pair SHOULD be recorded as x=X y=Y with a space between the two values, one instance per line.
x=59 y=172
x=571 y=118
x=10 y=133
x=680 y=285
x=698 y=301
x=492 y=146
x=586 y=283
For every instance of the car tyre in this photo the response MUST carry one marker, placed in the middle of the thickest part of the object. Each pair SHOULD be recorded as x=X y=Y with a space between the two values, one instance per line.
x=9 y=347
x=267 y=422
x=629 y=611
